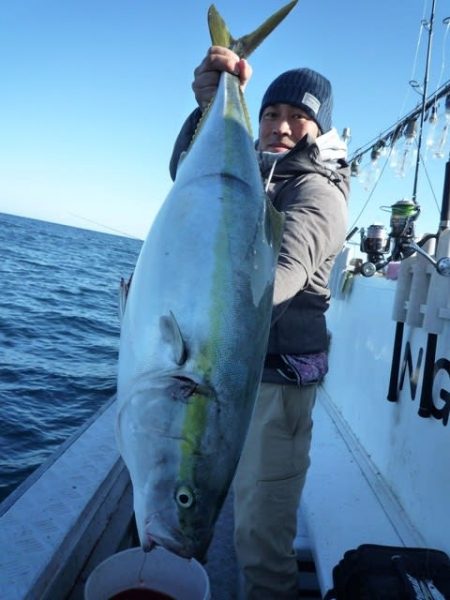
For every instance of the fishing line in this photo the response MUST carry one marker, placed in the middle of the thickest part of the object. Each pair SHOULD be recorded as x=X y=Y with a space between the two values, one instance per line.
x=422 y=160
x=446 y=22
x=141 y=579
x=372 y=191
x=444 y=45
x=423 y=21
x=113 y=229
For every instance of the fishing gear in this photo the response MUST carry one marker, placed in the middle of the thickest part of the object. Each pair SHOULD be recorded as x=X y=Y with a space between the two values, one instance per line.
x=377 y=243
x=382 y=247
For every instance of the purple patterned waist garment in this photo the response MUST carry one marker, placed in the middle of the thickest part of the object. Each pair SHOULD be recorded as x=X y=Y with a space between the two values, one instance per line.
x=304 y=369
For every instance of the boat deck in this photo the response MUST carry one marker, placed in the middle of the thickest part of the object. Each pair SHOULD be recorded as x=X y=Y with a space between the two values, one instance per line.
x=346 y=502
x=223 y=571
x=76 y=510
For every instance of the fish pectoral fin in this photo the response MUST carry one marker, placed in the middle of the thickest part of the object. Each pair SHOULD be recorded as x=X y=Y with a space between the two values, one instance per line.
x=171 y=334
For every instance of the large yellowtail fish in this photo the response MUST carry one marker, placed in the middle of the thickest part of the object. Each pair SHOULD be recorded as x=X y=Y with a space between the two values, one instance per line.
x=196 y=323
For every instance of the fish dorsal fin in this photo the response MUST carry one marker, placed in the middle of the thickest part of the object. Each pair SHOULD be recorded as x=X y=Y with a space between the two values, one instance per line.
x=244 y=46
x=171 y=334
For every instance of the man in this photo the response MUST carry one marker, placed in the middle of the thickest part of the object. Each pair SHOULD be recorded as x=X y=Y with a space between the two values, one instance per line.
x=303 y=164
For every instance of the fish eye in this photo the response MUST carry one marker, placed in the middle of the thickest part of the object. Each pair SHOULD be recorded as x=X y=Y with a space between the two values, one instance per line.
x=184 y=497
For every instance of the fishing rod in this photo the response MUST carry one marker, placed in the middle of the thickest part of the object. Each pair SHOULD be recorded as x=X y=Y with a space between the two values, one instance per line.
x=404 y=213
x=380 y=246
x=392 y=134
x=429 y=25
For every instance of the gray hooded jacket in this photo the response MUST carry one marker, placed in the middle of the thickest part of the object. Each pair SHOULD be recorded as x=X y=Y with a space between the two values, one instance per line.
x=310 y=185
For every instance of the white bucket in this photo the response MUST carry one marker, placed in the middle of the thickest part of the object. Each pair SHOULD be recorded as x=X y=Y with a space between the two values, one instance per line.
x=157 y=570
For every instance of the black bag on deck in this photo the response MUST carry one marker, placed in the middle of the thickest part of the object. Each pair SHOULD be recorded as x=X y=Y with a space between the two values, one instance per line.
x=373 y=572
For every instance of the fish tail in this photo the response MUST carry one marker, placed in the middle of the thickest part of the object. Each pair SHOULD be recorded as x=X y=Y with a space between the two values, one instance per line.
x=244 y=46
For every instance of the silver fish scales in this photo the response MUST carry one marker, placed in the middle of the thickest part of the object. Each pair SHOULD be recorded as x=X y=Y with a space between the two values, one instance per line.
x=196 y=322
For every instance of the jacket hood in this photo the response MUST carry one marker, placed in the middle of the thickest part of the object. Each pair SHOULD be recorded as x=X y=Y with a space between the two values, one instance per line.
x=332 y=148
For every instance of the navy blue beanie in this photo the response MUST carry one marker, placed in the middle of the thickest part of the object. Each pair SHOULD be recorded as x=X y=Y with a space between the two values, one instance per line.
x=305 y=89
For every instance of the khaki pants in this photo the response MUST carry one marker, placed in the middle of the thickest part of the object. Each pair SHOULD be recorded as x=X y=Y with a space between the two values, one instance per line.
x=267 y=488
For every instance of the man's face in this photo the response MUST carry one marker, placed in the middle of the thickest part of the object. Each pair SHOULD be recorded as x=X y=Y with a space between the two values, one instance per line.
x=282 y=126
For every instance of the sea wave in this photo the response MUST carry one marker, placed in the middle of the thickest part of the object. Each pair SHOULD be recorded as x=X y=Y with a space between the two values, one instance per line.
x=59 y=333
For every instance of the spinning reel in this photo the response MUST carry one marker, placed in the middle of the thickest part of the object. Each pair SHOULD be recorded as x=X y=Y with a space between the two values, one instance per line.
x=382 y=247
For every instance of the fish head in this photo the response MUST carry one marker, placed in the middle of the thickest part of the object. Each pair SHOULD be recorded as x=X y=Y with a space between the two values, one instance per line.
x=183 y=524
x=164 y=432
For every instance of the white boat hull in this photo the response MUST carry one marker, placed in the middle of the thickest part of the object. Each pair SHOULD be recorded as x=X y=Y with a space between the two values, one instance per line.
x=380 y=472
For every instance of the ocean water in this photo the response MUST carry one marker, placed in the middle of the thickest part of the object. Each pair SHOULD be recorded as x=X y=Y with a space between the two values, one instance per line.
x=59 y=335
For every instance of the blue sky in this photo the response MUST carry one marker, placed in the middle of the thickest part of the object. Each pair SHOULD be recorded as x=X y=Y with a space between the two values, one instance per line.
x=95 y=91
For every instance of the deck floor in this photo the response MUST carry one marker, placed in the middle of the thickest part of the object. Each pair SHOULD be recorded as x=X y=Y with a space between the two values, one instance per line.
x=222 y=568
